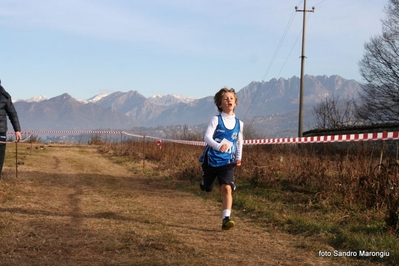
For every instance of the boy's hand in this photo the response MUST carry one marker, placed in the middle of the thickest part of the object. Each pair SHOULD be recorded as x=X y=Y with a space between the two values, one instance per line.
x=238 y=163
x=223 y=148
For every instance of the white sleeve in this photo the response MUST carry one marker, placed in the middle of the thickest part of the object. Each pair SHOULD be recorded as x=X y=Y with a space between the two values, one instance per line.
x=240 y=142
x=209 y=134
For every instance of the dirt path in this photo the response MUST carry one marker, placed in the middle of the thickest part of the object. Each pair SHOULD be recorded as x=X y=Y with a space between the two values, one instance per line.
x=71 y=206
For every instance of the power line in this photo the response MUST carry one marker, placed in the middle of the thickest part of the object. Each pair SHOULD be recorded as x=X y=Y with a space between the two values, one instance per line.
x=273 y=57
x=281 y=69
x=271 y=63
x=319 y=3
x=279 y=44
x=313 y=5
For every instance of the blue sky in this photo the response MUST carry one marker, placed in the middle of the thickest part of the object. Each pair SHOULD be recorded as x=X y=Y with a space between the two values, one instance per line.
x=189 y=48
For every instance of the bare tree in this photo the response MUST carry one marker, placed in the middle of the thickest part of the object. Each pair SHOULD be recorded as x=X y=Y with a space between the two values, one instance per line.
x=335 y=113
x=380 y=69
x=250 y=131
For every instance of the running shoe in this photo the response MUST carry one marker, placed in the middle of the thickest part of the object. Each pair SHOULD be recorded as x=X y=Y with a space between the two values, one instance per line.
x=227 y=223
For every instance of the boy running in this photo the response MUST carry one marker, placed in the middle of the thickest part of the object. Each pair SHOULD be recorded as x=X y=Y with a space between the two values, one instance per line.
x=223 y=151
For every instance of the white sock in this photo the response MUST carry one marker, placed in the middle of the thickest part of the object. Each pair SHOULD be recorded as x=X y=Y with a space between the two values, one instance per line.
x=226 y=213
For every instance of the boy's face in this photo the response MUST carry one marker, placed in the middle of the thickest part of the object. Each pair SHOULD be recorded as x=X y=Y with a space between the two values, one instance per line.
x=228 y=103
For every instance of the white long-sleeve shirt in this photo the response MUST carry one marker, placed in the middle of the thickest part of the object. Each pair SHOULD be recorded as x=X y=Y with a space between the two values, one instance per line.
x=229 y=122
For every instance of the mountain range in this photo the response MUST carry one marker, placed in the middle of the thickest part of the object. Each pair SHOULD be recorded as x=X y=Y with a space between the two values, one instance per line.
x=271 y=107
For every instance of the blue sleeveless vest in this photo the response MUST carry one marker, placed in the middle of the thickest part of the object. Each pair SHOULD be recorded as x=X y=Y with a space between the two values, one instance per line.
x=216 y=158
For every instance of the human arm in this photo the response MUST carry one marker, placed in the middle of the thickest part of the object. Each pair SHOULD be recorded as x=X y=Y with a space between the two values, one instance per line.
x=240 y=142
x=208 y=138
x=11 y=112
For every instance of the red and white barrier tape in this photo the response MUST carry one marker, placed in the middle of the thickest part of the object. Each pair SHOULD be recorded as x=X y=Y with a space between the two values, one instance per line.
x=72 y=132
x=160 y=140
x=315 y=139
x=189 y=142
x=329 y=138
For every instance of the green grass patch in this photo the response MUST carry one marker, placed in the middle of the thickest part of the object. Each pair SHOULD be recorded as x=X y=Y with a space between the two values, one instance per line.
x=300 y=214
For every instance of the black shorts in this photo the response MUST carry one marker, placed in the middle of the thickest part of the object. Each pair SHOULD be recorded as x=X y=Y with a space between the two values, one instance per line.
x=224 y=175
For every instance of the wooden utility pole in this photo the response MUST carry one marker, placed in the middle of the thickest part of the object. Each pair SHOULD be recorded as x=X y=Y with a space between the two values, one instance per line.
x=300 y=122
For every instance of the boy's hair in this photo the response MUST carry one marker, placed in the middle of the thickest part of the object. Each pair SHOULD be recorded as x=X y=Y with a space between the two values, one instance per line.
x=219 y=97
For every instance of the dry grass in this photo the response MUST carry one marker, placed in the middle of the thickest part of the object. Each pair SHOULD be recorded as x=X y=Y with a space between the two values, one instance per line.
x=326 y=192
x=72 y=206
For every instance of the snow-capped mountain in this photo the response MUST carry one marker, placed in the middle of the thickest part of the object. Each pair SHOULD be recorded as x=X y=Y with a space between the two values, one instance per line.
x=96 y=98
x=158 y=99
x=169 y=99
x=33 y=99
x=93 y=99
x=273 y=103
